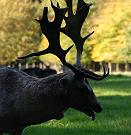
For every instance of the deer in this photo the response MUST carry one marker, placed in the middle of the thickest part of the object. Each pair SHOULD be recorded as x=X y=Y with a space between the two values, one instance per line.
x=26 y=100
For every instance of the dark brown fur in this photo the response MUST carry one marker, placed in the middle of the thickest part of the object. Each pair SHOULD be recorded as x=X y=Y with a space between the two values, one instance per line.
x=40 y=73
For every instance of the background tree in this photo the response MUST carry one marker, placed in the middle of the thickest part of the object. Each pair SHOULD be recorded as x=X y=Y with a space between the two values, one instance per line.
x=111 y=22
x=19 y=33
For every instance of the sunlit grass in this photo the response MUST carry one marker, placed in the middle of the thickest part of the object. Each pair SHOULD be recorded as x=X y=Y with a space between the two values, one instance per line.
x=115 y=119
x=113 y=86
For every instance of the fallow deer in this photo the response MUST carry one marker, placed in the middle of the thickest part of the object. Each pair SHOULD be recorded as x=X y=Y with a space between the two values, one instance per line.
x=26 y=100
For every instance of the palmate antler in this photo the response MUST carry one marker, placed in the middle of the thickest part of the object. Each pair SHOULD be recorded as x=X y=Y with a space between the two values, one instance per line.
x=73 y=28
x=52 y=31
x=74 y=24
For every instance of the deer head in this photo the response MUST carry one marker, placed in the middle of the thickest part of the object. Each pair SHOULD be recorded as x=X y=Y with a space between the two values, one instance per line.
x=79 y=94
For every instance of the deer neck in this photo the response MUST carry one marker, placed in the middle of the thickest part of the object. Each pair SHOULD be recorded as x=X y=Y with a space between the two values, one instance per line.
x=46 y=101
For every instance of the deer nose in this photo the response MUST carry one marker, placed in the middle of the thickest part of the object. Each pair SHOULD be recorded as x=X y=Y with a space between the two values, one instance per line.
x=97 y=108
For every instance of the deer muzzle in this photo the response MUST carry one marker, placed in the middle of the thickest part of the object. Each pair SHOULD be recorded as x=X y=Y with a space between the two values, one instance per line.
x=97 y=108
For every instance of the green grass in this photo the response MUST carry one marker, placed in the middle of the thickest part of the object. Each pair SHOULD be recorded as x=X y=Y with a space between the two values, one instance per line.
x=115 y=119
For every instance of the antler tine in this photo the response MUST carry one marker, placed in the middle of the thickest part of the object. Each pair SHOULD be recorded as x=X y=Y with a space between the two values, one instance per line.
x=58 y=5
x=87 y=73
x=74 y=24
x=69 y=5
x=81 y=74
x=82 y=11
x=80 y=4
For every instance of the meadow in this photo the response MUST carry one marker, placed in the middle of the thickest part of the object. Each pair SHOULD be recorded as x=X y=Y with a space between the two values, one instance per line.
x=115 y=95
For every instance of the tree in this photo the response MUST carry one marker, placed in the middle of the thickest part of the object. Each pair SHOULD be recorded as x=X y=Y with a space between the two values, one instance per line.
x=111 y=22
x=19 y=34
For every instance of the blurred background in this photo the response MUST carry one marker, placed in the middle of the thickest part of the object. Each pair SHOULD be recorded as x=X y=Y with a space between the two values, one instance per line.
x=110 y=44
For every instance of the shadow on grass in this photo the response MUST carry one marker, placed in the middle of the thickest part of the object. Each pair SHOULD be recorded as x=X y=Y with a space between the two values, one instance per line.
x=114 y=120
